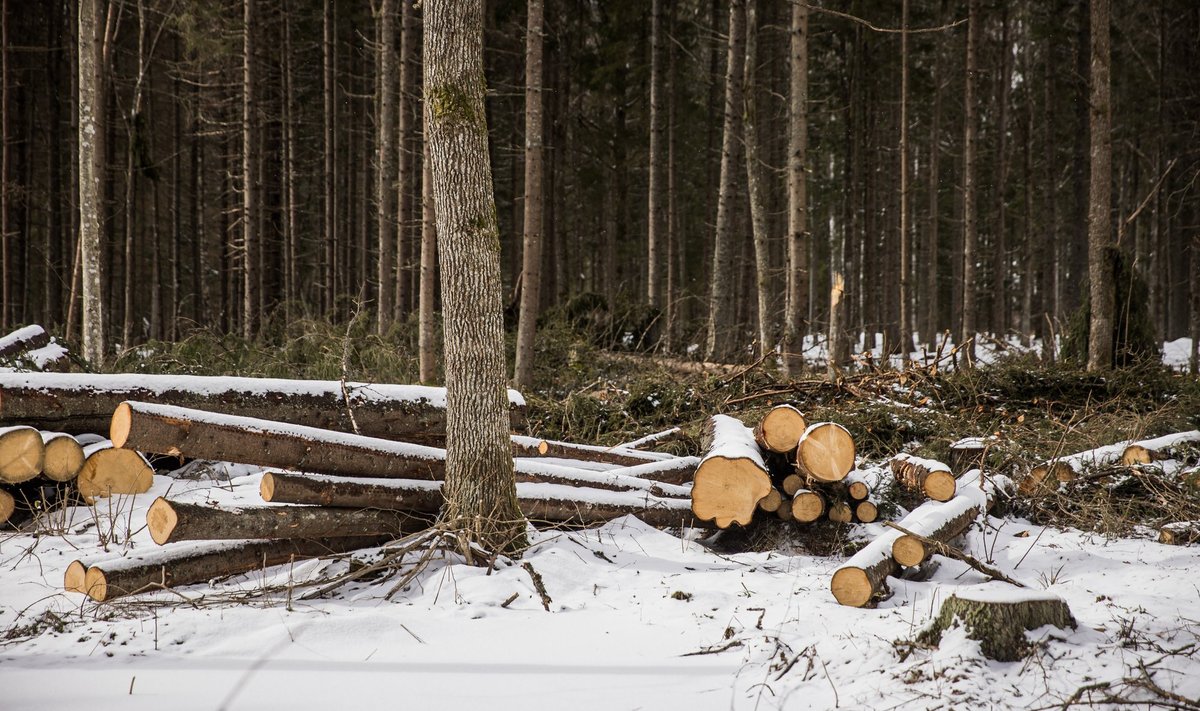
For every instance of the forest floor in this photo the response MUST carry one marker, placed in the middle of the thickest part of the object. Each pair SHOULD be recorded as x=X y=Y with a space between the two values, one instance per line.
x=644 y=618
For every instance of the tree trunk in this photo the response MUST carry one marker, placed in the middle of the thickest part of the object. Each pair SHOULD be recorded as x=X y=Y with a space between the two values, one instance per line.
x=531 y=267
x=329 y=153
x=91 y=175
x=408 y=166
x=1101 y=290
x=85 y=403
x=1001 y=278
x=427 y=327
x=385 y=175
x=905 y=267
x=249 y=216
x=966 y=339
x=754 y=183
x=797 y=197
x=656 y=198
x=721 y=330
x=999 y=621
x=930 y=477
x=480 y=490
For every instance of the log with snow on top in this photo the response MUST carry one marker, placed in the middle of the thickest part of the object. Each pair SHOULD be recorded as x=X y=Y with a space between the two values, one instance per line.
x=825 y=452
x=21 y=454
x=534 y=447
x=196 y=562
x=170 y=521
x=164 y=429
x=652 y=439
x=952 y=519
x=928 y=476
x=79 y=403
x=1179 y=533
x=553 y=503
x=111 y=471
x=780 y=429
x=732 y=476
x=26 y=338
x=63 y=456
x=807 y=506
x=1069 y=468
x=856 y=581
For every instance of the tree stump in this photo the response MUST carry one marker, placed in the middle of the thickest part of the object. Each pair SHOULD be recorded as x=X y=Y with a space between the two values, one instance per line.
x=967 y=454
x=998 y=616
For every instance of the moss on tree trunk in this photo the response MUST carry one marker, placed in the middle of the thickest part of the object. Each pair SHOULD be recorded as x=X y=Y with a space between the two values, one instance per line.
x=998 y=624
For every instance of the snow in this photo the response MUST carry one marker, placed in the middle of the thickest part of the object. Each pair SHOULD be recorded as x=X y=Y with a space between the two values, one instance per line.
x=931 y=465
x=1110 y=453
x=733 y=440
x=44 y=356
x=633 y=609
x=20 y=335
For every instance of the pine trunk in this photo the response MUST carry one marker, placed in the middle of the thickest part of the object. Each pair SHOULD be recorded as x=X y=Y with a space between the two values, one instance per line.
x=1101 y=290
x=385 y=174
x=531 y=268
x=797 y=198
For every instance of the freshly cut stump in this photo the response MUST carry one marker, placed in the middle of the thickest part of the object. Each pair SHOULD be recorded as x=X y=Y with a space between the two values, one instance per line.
x=7 y=505
x=732 y=478
x=858 y=490
x=171 y=521
x=807 y=506
x=780 y=429
x=64 y=456
x=998 y=615
x=825 y=452
x=196 y=563
x=21 y=454
x=967 y=454
x=107 y=472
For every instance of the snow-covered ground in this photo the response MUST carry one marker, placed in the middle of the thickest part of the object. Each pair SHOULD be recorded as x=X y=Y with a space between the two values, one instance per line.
x=639 y=619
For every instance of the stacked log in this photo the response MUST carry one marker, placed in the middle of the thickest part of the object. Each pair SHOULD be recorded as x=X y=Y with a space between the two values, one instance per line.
x=928 y=476
x=22 y=340
x=112 y=471
x=780 y=429
x=21 y=454
x=732 y=477
x=79 y=403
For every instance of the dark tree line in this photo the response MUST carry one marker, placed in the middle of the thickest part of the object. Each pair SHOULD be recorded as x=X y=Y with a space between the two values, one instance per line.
x=711 y=172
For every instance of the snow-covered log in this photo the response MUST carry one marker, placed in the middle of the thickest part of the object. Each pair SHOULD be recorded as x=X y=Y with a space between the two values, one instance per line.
x=21 y=454
x=555 y=503
x=948 y=521
x=533 y=447
x=1068 y=468
x=928 y=476
x=164 y=429
x=863 y=575
x=109 y=471
x=1180 y=533
x=732 y=476
x=780 y=429
x=653 y=439
x=197 y=562
x=23 y=339
x=171 y=521
x=63 y=456
x=78 y=403
x=825 y=452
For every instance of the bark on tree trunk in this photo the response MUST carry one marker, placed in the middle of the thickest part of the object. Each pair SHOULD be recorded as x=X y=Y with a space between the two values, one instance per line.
x=480 y=489
x=966 y=339
x=385 y=176
x=249 y=189
x=1101 y=290
x=427 y=336
x=999 y=621
x=905 y=268
x=758 y=199
x=797 y=199
x=721 y=332
x=91 y=173
x=656 y=198
x=531 y=268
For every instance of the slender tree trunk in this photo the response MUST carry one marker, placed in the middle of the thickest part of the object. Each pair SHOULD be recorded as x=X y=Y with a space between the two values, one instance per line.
x=5 y=107
x=427 y=327
x=1100 y=250
x=674 y=258
x=929 y=331
x=1051 y=247
x=480 y=487
x=797 y=194
x=531 y=268
x=1001 y=282
x=758 y=199
x=385 y=176
x=721 y=332
x=407 y=161
x=291 y=275
x=329 y=175
x=656 y=199
x=970 y=238
x=249 y=189
x=906 y=312
x=91 y=172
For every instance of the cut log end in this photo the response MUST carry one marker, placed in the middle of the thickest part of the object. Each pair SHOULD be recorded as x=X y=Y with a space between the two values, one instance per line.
x=792 y=483
x=851 y=587
x=63 y=457
x=118 y=428
x=75 y=579
x=866 y=512
x=21 y=454
x=161 y=519
x=807 y=506
x=7 y=505
x=939 y=486
x=266 y=487
x=1136 y=454
x=771 y=502
x=825 y=452
x=841 y=512
x=858 y=490
x=780 y=429
x=908 y=551
x=95 y=584
x=727 y=491
x=108 y=472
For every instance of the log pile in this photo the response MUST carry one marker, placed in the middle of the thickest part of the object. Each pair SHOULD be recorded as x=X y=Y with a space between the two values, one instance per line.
x=784 y=466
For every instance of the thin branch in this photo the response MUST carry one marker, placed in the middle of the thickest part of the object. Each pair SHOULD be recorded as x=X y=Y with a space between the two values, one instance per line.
x=952 y=552
x=890 y=30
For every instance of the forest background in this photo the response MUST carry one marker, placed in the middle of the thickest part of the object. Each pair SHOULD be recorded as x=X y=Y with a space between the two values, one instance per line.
x=703 y=173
